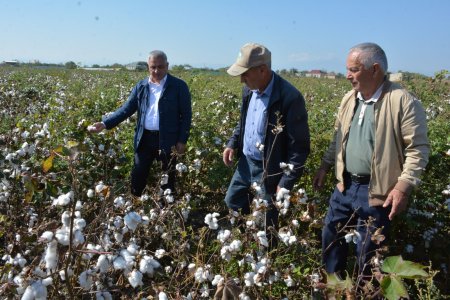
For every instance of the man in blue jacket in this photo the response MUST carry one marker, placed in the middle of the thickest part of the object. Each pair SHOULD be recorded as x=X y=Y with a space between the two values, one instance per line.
x=273 y=129
x=163 y=104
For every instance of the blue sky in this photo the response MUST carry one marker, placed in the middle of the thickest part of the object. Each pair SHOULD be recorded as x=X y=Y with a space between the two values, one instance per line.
x=208 y=33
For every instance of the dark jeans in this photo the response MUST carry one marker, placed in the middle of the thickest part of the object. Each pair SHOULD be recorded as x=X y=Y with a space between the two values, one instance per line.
x=239 y=195
x=144 y=156
x=351 y=208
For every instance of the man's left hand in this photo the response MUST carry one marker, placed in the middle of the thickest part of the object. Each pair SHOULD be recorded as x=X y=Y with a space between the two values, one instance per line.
x=180 y=147
x=398 y=200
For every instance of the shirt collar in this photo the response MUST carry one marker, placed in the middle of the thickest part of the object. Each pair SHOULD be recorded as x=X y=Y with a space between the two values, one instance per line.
x=161 y=83
x=374 y=97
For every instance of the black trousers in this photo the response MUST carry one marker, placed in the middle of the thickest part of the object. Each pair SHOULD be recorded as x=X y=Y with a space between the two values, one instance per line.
x=148 y=150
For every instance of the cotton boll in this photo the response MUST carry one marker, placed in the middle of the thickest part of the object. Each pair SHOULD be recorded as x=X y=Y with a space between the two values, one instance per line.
x=160 y=253
x=132 y=220
x=78 y=238
x=119 y=202
x=119 y=263
x=62 y=274
x=218 y=279
x=62 y=235
x=262 y=238
x=85 y=280
x=129 y=258
x=80 y=223
x=147 y=265
x=118 y=237
x=65 y=218
x=51 y=256
x=145 y=220
x=64 y=199
x=118 y=222
x=223 y=235
x=289 y=281
x=103 y=296
x=135 y=278
x=99 y=187
x=79 y=205
x=133 y=248
x=90 y=193
x=102 y=264
x=162 y=296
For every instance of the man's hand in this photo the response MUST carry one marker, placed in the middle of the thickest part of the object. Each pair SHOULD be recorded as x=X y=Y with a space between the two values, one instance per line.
x=228 y=155
x=180 y=147
x=319 y=179
x=96 y=127
x=398 y=200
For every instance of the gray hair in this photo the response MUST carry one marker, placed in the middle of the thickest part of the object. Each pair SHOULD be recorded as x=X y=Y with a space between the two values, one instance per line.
x=371 y=53
x=158 y=54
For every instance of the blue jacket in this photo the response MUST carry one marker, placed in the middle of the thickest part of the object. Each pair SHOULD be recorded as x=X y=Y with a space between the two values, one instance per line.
x=174 y=107
x=291 y=146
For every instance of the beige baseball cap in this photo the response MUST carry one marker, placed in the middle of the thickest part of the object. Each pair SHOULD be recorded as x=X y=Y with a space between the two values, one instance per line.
x=250 y=55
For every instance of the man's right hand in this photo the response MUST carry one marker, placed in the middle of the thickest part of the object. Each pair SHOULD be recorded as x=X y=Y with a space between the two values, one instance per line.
x=319 y=179
x=228 y=154
x=96 y=127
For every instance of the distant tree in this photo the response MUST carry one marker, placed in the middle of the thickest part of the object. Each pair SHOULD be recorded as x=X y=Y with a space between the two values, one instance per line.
x=117 y=66
x=70 y=65
x=96 y=66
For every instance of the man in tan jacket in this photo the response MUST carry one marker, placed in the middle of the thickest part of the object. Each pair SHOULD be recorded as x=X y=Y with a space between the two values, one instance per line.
x=379 y=149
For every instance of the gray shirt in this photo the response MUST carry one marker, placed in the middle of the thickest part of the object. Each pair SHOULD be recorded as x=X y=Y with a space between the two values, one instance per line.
x=361 y=140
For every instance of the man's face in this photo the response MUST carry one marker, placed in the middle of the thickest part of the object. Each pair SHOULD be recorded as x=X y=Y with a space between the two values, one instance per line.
x=362 y=79
x=157 y=68
x=252 y=78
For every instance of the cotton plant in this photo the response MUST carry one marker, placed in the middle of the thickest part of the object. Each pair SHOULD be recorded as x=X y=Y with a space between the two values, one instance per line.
x=286 y=168
x=353 y=236
x=168 y=196
x=283 y=200
x=227 y=251
x=287 y=237
x=132 y=220
x=218 y=279
x=103 y=295
x=148 y=265
x=86 y=279
x=37 y=290
x=302 y=196
x=135 y=278
x=196 y=165
x=64 y=199
x=160 y=253
x=211 y=220
x=203 y=274
x=119 y=202
x=181 y=168
x=223 y=235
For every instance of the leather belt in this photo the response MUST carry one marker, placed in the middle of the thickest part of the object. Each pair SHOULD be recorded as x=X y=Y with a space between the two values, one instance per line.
x=151 y=131
x=358 y=178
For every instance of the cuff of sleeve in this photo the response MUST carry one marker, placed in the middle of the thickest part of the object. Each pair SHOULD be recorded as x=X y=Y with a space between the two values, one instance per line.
x=404 y=187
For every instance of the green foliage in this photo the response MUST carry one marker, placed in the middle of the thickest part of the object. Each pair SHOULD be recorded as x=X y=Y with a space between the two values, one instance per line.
x=397 y=269
x=45 y=151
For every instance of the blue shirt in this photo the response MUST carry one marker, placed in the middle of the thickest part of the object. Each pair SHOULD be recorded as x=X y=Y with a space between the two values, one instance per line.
x=255 y=123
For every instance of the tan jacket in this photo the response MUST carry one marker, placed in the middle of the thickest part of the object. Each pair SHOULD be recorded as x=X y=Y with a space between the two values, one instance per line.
x=401 y=144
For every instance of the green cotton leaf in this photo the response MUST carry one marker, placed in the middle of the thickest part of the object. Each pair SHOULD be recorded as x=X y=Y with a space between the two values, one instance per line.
x=403 y=268
x=335 y=283
x=392 y=288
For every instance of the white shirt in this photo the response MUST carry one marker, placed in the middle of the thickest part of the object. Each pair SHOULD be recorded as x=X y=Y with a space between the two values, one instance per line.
x=152 y=114
x=373 y=99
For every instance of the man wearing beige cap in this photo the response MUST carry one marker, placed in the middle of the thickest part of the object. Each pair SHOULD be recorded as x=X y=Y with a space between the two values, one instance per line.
x=273 y=129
